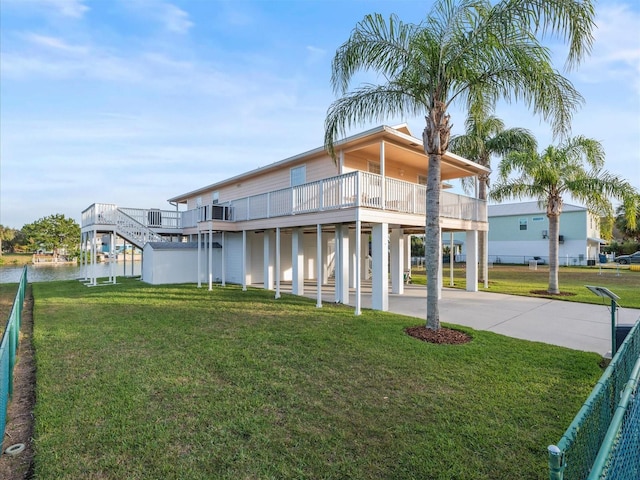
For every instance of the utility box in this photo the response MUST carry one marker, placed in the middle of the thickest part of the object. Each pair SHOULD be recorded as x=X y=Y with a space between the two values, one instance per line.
x=622 y=330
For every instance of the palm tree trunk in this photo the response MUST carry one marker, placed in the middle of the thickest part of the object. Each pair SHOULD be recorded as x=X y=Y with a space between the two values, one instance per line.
x=483 y=247
x=432 y=241
x=554 y=229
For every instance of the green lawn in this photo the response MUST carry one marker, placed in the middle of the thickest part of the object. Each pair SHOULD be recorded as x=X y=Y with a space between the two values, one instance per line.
x=519 y=280
x=143 y=382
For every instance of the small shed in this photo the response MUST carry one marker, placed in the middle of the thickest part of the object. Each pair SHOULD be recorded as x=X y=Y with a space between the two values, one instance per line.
x=175 y=262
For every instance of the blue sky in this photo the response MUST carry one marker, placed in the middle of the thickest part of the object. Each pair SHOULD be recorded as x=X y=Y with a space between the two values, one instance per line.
x=135 y=101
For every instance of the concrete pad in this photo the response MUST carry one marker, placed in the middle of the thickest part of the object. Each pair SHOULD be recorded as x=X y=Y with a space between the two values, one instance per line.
x=579 y=326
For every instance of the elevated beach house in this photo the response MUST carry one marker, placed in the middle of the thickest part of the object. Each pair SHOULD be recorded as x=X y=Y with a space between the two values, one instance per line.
x=304 y=222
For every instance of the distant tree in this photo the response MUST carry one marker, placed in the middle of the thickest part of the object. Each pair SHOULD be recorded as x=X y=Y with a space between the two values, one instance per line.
x=630 y=231
x=484 y=137
x=606 y=228
x=417 y=246
x=53 y=233
x=6 y=235
x=573 y=168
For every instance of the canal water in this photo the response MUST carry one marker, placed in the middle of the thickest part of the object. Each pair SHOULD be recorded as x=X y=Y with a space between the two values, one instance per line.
x=50 y=273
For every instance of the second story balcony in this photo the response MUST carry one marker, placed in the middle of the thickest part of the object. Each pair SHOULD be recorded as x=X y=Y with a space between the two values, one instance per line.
x=355 y=189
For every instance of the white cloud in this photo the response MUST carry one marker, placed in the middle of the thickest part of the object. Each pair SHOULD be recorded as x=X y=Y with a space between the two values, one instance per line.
x=172 y=19
x=55 y=44
x=616 y=50
x=65 y=8
x=175 y=19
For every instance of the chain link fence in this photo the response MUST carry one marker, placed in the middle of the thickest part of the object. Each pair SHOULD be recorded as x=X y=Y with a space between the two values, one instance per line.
x=597 y=432
x=8 y=348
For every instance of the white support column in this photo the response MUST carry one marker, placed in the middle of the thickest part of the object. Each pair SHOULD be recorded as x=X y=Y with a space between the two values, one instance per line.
x=440 y=270
x=319 y=266
x=358 y=265
x=472 y=260
x=380 y=278
x=326 y=239
x=244 y=260
x=364 y=256
x=407 y=253
x=485 y=257
x=383 y=194
x=342 y=264
x=353 y=258
x=268 y=259
x=94 y=255
x=297 y=262
x=112 y=257
x=124 y=259
x=337 y=256
x=83 y=255
x=277 y=273
x=397 y=261
x=452 y=258
x=199 y=259
x=223 y=261
x=210 y=256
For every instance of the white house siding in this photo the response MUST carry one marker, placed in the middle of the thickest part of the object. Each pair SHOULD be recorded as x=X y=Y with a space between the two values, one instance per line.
x=233 y=258
x=509 y=244
x=163 y=264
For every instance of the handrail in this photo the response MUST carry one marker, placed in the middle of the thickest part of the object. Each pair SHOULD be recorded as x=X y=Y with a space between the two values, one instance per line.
x=9 y=347
x=353 y=189
x=134 y=231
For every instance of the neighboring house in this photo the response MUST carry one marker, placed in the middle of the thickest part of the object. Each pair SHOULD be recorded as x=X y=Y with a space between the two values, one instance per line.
x=519 y=231
x=307 y=218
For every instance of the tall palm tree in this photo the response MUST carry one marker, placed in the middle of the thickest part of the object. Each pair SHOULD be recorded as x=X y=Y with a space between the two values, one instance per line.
x=468 y=51
x=573 y=168
x=485 y=137
x=630 y=232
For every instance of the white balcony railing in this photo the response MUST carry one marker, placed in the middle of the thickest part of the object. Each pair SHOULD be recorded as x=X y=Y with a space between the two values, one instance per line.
x=105 y=214
x=355 y=189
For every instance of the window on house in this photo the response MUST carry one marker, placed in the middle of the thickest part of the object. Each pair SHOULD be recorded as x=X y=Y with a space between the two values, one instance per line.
x=215 y=197
x=422 y=180
x=298 y=175
x=523 y=224
x=374 y=167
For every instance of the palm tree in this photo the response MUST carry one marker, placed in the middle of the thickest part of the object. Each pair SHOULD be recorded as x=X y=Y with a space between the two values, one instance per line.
x=486 y=136
x=466 y=51
x=629 y=231
x=573 y=168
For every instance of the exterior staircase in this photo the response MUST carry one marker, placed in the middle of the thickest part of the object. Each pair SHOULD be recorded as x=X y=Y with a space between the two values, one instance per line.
x=133 y=231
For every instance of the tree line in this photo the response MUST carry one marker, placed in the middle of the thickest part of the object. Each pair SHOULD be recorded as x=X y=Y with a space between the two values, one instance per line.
x=55 y=234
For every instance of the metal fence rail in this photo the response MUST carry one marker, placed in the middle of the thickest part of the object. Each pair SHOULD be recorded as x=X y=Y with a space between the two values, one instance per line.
x=8 y=348
x=575 y=454
x=619 y=456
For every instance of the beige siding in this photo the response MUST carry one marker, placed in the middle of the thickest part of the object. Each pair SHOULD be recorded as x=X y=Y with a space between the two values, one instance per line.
x=317 y=169
x=392 y=169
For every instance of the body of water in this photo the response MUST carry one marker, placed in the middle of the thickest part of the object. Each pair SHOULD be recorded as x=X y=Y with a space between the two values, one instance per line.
x=50 y=273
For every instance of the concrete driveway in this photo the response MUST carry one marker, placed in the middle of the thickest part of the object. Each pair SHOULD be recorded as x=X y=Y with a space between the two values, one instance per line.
x=579 y=326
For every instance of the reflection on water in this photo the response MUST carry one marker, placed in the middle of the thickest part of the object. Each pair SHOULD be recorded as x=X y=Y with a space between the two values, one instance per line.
x=50 y=273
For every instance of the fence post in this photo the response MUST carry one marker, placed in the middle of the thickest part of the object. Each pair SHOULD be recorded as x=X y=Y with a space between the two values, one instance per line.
x=556 y=463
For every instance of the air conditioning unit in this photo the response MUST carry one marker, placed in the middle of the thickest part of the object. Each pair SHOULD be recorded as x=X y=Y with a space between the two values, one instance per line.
x=220 y=212
x=545 y=234
x=560 y=238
